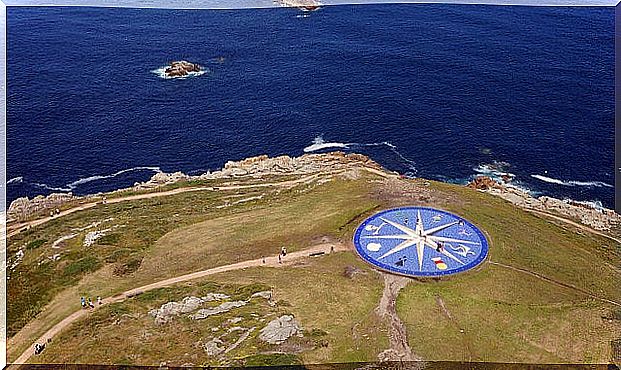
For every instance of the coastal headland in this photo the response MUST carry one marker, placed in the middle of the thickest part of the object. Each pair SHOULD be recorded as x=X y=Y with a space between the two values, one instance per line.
x=189 y=274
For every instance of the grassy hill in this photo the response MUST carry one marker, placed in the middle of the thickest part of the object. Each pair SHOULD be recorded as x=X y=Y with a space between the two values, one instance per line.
x=547 y=292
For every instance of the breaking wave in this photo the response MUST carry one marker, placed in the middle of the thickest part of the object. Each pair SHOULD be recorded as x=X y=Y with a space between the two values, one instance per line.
x=48 y=187
x=83 y=181
x=498 y=171
x=319 y=144
x=15 y=180
x=551 y=180
x=72 y=185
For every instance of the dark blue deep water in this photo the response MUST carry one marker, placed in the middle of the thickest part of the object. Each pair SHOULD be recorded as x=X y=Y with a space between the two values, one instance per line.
x=436 y=91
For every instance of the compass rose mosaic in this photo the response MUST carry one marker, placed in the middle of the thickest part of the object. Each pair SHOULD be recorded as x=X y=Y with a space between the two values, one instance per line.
x=417 y=241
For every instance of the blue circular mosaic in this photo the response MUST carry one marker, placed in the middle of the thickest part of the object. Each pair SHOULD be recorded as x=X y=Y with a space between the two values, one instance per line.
x=418 y=241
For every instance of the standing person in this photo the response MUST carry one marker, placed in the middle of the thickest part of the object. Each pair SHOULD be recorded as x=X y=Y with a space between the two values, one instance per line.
x=440 y=247
x=83 y=302
x=280 y=258
x=99 y=300
x=331 y=249
x=90 y=303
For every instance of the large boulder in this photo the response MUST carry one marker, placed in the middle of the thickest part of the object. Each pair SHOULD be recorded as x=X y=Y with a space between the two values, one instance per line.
x=483 y=183
x=280 y=329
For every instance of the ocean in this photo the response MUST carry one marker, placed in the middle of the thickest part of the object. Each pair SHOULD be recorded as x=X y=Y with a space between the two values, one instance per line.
x=443 y=92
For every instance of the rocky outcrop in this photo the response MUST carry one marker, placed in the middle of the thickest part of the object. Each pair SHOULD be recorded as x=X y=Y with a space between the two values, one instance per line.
x=280 y=329
x=213 y=347
x=305 y=5
x=483 y=183
x=169 y=310
x=306 y=164
x=261 y=166
x=181 y=68
x=224 y=307
x=22 y=208
x=264 y=294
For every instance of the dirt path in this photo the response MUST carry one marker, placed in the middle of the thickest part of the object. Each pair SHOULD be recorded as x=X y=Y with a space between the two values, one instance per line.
x=447 y=313
x=399 y=348
x=556 y=282
x=573 y=223
x=17 y=228
x=269 y=261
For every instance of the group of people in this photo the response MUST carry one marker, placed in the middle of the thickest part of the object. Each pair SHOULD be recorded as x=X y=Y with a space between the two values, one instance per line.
x=87 y=302
x=55 y=212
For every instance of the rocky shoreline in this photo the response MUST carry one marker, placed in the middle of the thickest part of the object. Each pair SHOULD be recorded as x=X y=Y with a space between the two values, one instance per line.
x=263 y=166
x=598 y=219
x=253 y=167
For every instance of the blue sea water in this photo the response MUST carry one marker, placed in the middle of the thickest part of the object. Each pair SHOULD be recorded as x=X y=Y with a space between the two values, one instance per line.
x=435 y=91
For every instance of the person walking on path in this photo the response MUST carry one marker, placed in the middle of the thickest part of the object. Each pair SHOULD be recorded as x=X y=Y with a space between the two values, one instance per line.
x=83 y=302
x=98 y=300
x=90 y=303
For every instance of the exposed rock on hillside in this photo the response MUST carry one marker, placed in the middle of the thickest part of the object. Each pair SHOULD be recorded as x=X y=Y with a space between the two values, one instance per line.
x=168 y=310
x=280 y=329
x=263 y=165
x=224 y=307
x=22 y=208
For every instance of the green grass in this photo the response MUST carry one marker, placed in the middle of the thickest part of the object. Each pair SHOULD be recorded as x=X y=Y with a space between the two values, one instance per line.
x=506 y=315
x=124 y=332
x=112 y=332
x=35 y=244
x=272 y=359
x=243 y=231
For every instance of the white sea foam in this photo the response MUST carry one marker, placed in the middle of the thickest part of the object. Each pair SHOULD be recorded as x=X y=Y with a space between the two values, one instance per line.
x=15 y=180
x=319 y=143
x=72 y=185
x=595 y=204
x=598 y=184
x=495 y=170
x=52 y=188
x=161 y=73
x=83 y=181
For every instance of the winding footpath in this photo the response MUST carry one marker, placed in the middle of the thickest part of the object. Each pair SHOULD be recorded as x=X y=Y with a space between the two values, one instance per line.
x=17 y=228
x=320 y=249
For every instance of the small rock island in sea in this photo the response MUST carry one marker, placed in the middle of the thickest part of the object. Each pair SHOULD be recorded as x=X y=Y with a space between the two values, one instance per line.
x=304 y=5
x=181 y=68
